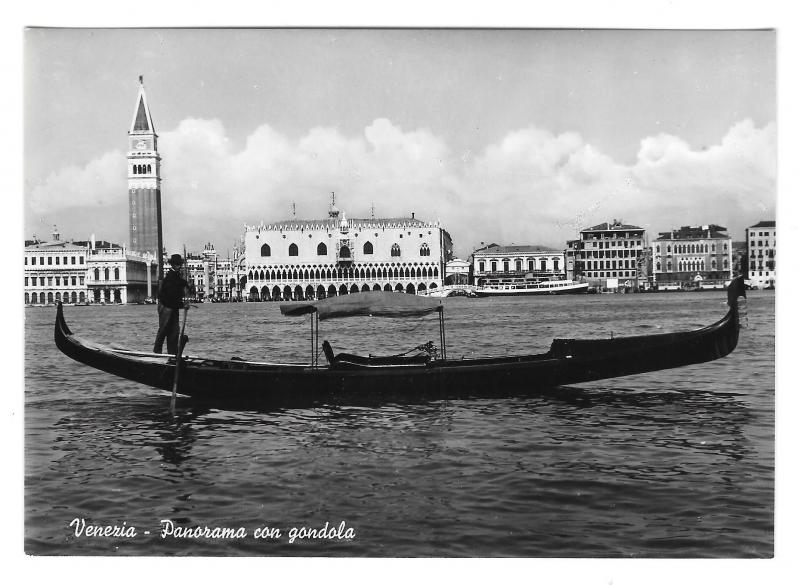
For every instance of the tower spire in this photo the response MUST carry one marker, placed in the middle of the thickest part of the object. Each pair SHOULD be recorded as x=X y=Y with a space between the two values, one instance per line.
x=142 y=121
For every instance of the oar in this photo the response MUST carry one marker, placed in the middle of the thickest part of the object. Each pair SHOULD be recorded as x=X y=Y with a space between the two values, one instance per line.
x=178 y=359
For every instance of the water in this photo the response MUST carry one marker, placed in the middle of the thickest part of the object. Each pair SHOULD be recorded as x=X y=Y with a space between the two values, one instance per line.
x=669 y=464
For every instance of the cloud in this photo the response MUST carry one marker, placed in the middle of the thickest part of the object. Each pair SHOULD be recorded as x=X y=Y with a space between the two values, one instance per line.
x=532 y=186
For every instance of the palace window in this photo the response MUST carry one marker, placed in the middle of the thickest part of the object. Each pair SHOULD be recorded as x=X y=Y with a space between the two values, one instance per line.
x=322 y=249
x=265 y=250
x=494 y=266
x=292 y=249
x=97 y=274
x=505 y=265
x=424 y=250
x=518 y=265
x=116 y=274
x=49 y=260
x=481 y=266
x=367 y=248
x=395 y=250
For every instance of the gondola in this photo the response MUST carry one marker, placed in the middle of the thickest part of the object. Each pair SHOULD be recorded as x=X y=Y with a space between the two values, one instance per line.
x=424 y=375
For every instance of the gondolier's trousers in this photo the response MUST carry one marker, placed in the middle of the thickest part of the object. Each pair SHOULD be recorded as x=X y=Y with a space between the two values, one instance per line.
x=167 y=329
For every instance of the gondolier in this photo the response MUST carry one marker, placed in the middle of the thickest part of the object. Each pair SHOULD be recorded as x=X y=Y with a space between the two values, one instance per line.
x=170 y=302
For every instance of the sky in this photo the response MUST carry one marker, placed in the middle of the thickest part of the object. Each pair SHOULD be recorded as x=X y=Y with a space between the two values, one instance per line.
x=506 y=136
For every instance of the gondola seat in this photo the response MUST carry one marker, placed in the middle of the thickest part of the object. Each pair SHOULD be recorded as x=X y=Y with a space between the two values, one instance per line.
x=351 y=360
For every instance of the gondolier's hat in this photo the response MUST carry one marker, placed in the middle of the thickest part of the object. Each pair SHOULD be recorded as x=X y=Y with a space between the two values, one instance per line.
x=175 y=260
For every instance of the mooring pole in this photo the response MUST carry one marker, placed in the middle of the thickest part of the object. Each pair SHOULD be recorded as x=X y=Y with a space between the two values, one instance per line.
x=441 y=332
x=444 y=337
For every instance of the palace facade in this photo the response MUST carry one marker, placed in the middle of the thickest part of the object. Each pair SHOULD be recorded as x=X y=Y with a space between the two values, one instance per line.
x=311 y=259
x=693 y=254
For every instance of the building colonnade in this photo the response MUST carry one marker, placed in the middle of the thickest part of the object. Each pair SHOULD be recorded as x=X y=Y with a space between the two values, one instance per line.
x=301 y=282
x=294 y=291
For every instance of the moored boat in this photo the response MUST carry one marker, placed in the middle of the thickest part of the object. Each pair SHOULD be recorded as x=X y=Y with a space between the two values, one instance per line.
x=424 y=374
x=544 y=287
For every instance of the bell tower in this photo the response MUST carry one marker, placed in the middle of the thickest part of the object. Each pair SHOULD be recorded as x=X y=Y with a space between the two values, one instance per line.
x=144 y=182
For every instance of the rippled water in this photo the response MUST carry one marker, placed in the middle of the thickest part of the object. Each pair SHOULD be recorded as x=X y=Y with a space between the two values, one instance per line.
x=670 y=464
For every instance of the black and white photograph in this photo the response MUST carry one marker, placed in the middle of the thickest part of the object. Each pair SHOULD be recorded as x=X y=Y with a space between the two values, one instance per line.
x=400 y=292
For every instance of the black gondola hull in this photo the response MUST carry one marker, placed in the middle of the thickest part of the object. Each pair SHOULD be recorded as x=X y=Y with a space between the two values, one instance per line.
x=242 y=384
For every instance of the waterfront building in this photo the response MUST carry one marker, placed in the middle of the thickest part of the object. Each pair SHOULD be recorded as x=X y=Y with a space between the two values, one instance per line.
x=317 y=258
x=115 y=274
x=85 y=272
x=212 y=277
x=144 y=182
x=55 y=271
x=612 y=254
x=495 y=262
x=693 y=254
x=761 y=253
x=573 y=265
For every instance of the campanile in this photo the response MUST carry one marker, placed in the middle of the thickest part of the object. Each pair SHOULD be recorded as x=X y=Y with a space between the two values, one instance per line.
x=144 y=181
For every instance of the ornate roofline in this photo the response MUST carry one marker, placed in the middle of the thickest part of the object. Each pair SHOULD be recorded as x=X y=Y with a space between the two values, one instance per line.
x=333 y=224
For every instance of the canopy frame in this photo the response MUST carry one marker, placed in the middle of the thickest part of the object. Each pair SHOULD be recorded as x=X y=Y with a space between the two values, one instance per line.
x=382 y=308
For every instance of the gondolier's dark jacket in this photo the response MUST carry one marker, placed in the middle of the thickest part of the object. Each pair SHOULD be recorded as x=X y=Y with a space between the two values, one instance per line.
x=171 y=293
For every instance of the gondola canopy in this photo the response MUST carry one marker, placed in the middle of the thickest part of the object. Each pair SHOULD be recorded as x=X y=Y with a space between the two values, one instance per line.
x=365 y=304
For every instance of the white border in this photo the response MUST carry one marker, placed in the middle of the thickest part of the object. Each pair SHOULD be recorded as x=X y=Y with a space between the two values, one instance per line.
x=500 y=13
